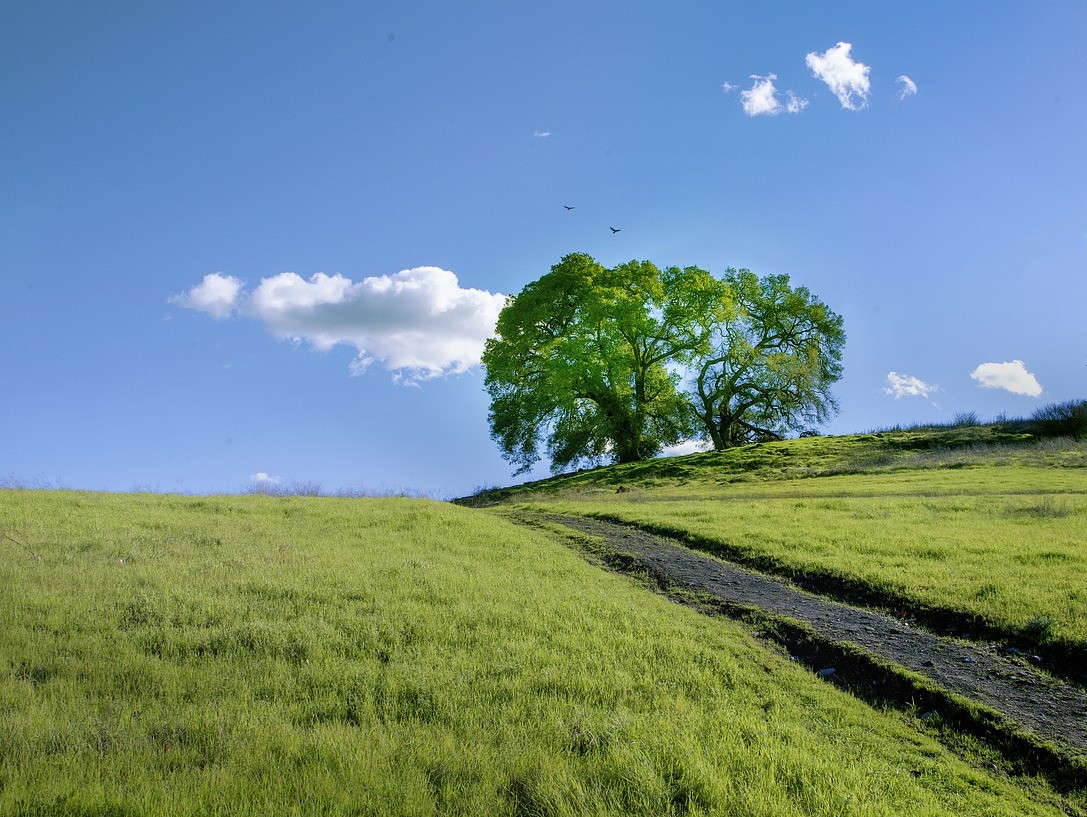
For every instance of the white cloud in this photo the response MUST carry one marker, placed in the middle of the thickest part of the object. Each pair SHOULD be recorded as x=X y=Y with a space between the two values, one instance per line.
x=217 y=295
x=417 y=323
x=905 y=385
x=909 y=87
x=260 y=476
x=793 y=103
x=846 y=78
x=761 y=98
x=1011 y=376
x=687 y=447
x=728 y=87
x=542 y=133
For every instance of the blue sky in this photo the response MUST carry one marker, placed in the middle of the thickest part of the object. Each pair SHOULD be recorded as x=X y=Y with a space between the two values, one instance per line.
x=418 y=158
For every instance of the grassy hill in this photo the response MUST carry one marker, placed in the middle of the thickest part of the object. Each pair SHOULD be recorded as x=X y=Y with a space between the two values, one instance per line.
x=257 y=655
x=917 y=449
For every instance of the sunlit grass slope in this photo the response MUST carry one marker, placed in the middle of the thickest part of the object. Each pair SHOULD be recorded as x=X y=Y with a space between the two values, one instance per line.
x=249 y=655
x=962 y=519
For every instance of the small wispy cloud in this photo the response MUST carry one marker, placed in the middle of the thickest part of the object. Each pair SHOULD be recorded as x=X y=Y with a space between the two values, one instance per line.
x=793 y=103
x=217 y=295
x=260 y=476
x=1011 y=376
x=905 y=385
x=761 y=99
x=417 y=323
x=728 y=87
x=909 y=87
x=542 y=134
x=846 y=78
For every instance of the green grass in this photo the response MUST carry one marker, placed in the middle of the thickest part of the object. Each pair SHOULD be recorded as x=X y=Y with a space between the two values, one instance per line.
x=811 y=457
x=939 y=520
x=250 y=655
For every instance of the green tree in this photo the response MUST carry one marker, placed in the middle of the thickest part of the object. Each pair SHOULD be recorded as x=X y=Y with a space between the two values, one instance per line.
x=772 y=362
x=585 y=361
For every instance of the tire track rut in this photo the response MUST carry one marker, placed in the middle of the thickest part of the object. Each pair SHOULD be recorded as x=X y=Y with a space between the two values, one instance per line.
x=1050 y=708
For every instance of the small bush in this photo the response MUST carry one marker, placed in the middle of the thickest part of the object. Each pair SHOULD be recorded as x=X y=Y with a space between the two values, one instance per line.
x=1061 y=419
x=279 y=489
x=314 y=489
x=965 y=419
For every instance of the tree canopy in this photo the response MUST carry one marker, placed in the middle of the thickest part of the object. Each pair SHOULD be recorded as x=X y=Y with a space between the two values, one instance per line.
x=591 y=362
x=773 y=361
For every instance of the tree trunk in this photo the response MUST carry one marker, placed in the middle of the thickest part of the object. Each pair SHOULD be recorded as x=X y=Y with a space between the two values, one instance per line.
x=625 y=430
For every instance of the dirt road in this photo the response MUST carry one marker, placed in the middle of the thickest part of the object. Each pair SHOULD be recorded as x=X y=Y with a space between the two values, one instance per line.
x=1052 y=709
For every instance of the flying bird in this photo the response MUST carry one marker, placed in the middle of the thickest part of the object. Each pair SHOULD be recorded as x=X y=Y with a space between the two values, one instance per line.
x=568 y=207
x=614 y=229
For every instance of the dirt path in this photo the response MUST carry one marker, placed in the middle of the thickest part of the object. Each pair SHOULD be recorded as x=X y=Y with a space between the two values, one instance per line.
x=1051 y=709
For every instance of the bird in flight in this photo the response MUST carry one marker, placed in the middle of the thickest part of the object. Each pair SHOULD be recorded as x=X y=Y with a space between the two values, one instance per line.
x=614 y=229
x=568 y=207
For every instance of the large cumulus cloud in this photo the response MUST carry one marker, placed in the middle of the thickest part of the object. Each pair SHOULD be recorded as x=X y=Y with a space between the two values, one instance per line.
x=417 y=323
